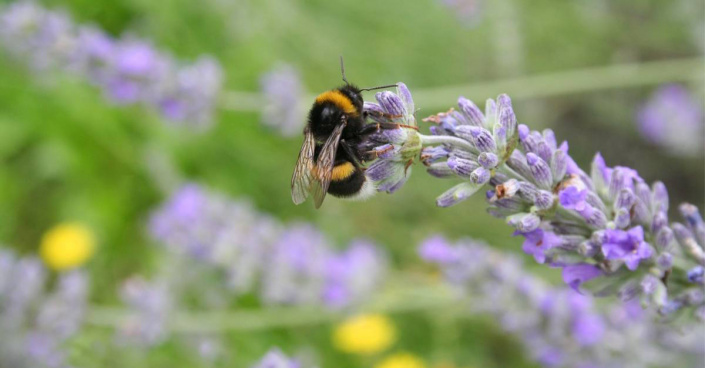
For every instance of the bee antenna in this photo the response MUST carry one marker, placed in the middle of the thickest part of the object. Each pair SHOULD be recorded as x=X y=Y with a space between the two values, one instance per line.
x=342 y=70
x=380 y=87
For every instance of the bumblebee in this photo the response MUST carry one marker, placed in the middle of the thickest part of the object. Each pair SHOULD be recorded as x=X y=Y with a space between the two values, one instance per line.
x=331 y=160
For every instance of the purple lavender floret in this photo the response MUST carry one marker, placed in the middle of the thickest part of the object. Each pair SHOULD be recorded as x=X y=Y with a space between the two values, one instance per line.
x=127 y=70
x=559 y=327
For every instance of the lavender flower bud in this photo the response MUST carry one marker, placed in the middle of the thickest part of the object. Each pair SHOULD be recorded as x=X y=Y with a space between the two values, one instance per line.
x=391 y=103
x=664 y=261
x=498 y=179
x=524 y=222
x=511 y=204
x=482 y=139
x=488 y=160
x=550 y=138
x=457 y=194
x=659 y=220
x=559 y=164
x=499 y=135
x=695 y=221
x=517 y=162
x=506 y=114
x=464 y=132
x=644 y=193
x=523 y=131
x=625 y=199
x=660 y=197
x=621 y=218
x=405 y=95
x=527 y=191
x=471 y=112
x=588 y=248
x=490 y=113
x=687 y=242
x=462 y=154
x=593 y=200
x=596 y=219
x=616 y=183
x=544 y=200
x=433 y=154
x=462 y=167
x=540 y=171
x=664 y=237
x=641 y=213
x=531 y=142
x=440 y=170
x=480 y=176
x=544 y=151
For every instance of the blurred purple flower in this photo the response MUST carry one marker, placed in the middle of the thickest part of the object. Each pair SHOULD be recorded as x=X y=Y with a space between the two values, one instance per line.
x=560 y=327
x=674 y=119
x=290 y=265
x=37 y=322
x=127 y=70
x=275 y=358
x=283 y=93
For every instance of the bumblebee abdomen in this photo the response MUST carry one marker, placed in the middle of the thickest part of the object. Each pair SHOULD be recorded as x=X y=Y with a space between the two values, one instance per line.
x=350 y=182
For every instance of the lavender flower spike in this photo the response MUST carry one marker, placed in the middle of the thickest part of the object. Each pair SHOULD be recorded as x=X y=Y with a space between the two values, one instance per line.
x=608 y=230
x=559 y=327
x=402 y=146
x=283 y=90
x=126 y=70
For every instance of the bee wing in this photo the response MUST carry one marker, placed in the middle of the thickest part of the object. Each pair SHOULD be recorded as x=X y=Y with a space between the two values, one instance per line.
x=302 y=179
x=324 y=165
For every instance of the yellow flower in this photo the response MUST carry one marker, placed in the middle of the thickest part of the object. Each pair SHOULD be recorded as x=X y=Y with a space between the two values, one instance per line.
x=364 y=334
x=67 y=246
x=401 y=360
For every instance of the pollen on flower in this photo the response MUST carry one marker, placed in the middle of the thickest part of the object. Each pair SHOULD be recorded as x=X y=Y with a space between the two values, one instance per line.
x=401 y=360
x=67 y=246
x=364 y=334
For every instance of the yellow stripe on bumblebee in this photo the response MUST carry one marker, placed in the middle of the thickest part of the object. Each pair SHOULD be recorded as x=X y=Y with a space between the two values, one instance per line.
x=338 y=99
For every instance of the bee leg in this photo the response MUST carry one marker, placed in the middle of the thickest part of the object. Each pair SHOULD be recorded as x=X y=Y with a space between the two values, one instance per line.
x=381 y=115
x=376 y=127
x=353 y=155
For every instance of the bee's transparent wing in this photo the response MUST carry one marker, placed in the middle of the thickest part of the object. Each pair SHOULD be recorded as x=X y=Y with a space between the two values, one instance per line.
x=324 y=166
x=303 y=174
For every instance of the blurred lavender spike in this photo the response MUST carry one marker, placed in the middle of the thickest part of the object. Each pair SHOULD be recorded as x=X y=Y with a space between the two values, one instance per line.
x=673 y=118
x=559 y=327
x=36 y=323
x=283 y=265
x=283 y=91
x=127 y=70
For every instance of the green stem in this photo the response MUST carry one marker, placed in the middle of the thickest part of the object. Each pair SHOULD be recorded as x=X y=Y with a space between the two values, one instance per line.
x=530 y=87
x=427 y=140
x=420 y=298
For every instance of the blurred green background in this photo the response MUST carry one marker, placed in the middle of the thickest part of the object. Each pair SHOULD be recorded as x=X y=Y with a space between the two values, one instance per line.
x=67 y=154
